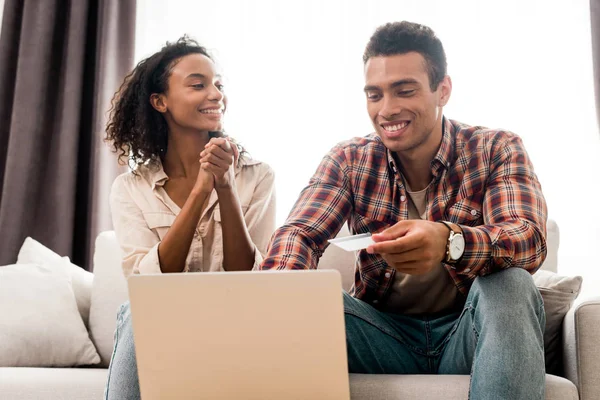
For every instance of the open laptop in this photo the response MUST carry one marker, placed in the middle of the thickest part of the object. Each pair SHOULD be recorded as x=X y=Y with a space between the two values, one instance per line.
x=240 y=335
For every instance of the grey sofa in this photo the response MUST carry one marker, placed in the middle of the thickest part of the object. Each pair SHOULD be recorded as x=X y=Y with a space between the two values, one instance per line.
x=581 y=346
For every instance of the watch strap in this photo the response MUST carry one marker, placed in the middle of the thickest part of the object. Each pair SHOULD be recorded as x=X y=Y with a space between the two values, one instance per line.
x=453 y=232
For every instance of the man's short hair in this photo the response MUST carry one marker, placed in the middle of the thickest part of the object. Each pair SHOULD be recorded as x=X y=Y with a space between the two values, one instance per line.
x=404 y=37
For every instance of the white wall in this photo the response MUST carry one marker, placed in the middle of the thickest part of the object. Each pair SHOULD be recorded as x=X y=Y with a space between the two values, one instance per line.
x=294 y=81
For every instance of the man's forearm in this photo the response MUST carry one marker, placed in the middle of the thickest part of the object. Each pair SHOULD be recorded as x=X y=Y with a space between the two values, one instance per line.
x=489 y=248
x=288 y=251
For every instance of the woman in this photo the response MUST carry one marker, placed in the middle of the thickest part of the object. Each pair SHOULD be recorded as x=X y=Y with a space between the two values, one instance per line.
x=194 y=200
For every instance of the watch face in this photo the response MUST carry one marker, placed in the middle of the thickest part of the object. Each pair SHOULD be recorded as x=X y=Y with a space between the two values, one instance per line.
x=457 y=247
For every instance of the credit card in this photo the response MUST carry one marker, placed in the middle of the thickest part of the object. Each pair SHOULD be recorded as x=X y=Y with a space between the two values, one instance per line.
x=353 y=243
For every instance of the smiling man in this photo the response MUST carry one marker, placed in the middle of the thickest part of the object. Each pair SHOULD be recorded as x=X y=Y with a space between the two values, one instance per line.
x=459 y=221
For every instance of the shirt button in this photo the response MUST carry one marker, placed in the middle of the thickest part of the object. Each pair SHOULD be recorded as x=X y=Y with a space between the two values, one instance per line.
x=473 y=212
x=387 y=274
x=403 y=198
x=375 y=301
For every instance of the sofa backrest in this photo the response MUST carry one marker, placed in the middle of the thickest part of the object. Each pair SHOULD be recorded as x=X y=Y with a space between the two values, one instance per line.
x=110 y=290
x=108 y=293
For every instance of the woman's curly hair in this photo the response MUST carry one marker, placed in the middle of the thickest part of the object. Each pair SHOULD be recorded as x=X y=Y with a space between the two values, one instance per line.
x=137 y=131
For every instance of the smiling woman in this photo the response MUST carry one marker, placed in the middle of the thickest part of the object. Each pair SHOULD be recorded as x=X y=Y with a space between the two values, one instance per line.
x=137 y=130
x=194 y=201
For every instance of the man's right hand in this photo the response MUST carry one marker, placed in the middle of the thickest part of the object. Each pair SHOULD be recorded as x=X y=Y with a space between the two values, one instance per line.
x=413 y=247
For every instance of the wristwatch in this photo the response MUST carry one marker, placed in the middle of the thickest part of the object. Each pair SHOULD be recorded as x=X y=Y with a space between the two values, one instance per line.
x=455 y=247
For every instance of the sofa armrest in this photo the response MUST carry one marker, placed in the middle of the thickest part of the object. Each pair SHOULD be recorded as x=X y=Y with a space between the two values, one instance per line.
x=581 y=348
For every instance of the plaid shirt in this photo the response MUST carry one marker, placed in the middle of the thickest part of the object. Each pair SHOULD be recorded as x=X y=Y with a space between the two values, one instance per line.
x=483 y=181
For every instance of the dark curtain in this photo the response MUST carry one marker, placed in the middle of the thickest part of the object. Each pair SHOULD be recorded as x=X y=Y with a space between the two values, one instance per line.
x=60 y=63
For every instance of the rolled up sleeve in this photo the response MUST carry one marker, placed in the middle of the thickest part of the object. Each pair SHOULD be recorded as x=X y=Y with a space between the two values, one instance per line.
x=515 y=215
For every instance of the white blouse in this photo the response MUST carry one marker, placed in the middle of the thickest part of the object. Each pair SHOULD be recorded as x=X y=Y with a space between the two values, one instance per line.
x=142 y=213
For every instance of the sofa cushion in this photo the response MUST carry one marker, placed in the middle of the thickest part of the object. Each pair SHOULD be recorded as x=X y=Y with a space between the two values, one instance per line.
x=559 y=293
x=52 y=383
x=39 y=321
x=108 y=293
x=437 y=387
x=33 y=252
x=58 y=384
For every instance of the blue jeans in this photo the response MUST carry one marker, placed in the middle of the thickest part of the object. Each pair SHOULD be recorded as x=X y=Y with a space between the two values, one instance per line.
x=122 y=382
x=497 y=339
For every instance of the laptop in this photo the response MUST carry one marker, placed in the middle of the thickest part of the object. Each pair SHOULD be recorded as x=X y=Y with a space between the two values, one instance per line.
x=240 y=335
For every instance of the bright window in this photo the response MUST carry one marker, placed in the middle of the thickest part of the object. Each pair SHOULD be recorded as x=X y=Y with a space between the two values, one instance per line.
x=294 y=79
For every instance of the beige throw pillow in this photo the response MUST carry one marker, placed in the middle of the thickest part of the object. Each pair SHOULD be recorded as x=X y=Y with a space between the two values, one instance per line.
x=558 y=293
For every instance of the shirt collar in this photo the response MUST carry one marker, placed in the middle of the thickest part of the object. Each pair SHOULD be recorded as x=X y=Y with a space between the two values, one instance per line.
x=154 y=173
x=445 y=154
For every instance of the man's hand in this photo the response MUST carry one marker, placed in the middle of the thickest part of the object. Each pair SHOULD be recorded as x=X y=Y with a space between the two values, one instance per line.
x=219 y=157
x=412 y=247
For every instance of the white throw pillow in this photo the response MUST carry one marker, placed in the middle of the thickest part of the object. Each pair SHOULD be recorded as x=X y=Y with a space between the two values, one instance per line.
x=33 y=252
x=40 y=325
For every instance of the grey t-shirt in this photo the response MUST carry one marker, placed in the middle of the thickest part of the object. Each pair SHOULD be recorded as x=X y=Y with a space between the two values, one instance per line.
x=434 y=292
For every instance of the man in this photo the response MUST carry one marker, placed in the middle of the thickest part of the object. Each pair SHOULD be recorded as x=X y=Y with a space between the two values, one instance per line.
x=459 y=222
